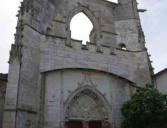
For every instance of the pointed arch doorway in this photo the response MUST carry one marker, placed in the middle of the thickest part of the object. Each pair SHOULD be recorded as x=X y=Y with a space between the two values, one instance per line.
x=86 y=110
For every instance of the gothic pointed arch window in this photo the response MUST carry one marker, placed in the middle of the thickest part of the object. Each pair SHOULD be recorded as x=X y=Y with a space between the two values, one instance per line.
x=81 y=28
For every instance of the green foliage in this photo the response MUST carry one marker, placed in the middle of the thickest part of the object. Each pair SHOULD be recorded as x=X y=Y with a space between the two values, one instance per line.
x=146 y=109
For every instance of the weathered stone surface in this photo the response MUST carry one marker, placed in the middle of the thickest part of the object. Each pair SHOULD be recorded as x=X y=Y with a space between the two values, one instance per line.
x=161 y=81
x=49 y=70
x=3 y=85
x=63 y=87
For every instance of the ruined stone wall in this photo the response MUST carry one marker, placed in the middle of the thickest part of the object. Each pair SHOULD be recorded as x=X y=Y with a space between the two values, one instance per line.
x=43 y=44
x=78 y=56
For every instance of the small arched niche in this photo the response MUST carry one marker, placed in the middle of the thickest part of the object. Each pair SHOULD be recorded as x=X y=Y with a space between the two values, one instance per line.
x=81 y=28
x=122 y=46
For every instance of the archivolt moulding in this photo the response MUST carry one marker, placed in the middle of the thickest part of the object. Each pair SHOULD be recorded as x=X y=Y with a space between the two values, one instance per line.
x=87 y=103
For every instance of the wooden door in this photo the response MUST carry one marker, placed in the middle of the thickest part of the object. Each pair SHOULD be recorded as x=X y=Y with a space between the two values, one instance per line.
x=75 y=124
x=95 y=124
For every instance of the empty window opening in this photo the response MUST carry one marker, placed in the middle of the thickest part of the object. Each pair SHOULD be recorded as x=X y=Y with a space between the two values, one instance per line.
x=122 y=46
x=81 y=27
x=114 y=1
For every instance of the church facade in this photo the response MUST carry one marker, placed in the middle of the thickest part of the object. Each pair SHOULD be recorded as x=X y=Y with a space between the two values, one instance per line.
x=55 y=81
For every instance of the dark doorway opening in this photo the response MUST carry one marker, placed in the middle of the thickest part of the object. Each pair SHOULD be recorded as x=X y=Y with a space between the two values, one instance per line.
x=75 y=124
x=79 y=124
x=95 y=124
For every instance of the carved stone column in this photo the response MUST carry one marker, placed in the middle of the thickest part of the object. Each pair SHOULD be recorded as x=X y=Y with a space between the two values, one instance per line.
x=68 y=40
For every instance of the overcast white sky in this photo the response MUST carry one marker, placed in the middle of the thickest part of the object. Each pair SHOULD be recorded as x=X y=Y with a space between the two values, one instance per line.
x=154 y=23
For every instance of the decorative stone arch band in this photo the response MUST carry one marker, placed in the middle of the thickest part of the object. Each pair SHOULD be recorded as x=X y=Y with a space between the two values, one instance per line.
x=87 y=104
x=89 y=14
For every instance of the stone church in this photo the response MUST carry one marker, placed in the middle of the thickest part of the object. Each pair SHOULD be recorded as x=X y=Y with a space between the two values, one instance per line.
x=55 y=81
